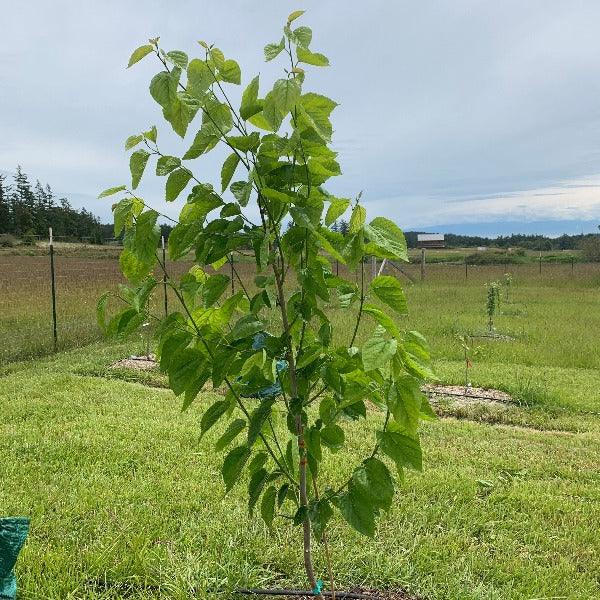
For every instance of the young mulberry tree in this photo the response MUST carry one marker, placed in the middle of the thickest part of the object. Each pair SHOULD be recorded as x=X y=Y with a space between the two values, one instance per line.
x=272 y=345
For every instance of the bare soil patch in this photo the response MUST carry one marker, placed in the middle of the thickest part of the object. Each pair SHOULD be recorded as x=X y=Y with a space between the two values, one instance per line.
x=464 y=396
x=141 y=363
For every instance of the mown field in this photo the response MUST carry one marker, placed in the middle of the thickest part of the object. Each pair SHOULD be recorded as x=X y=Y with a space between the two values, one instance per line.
x=126 y=503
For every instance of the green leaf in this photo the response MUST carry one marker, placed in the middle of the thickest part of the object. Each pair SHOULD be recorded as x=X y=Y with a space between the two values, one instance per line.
x=101 y=311
x=217 y=57
x=163 y=87
x=111 y=191
x=319 y=513
x=386 y=239
x=267 y=506
x=137 y=164
x=259 y=120
x=303 y=36
x=294 y=15
x=280 y=101
x=230 y=72
x=311 y=58
x=214 y=412
x=178 y=58
x=206 y=139
x=333 y=437
x=389 y=291
x=132 y=141
x=250 y=104
x=245 y=327
x=377 y=350
x=375 y=482
x=183 y=369
x=337 y=208
x=357 y=219
x=138 y=54
x=176 y=183
x=235 y=428
x=404 y=450
x=404 y=399
x=272 y=50
x=255 y=487
x=151 y=134
x=228 y=169
x=245 y=143
x=241 y=190
x=124 y=211
x=213 y=288
x=272 y=194
x=199 y=78
x=357 y=511
x=383 y=319
x=315 y=114
x=179 y=114
x=166 y=164
x=257 y=419
x=233 y=465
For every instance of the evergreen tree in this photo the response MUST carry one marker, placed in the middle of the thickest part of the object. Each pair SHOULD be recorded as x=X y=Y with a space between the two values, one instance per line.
x=5 y=213
x=344 y=227
x=22 y=202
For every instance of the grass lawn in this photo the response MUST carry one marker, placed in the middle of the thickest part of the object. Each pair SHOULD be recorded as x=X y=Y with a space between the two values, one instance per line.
x=126 y=503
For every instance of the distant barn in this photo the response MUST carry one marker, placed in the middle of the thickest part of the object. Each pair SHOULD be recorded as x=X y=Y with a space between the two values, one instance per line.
x=431 y=240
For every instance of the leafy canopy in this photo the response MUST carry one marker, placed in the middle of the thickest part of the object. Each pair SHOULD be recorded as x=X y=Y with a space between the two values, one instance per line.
x=275 y=334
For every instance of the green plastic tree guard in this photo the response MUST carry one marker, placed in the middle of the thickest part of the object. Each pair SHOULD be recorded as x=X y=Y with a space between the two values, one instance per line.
x=13 y=531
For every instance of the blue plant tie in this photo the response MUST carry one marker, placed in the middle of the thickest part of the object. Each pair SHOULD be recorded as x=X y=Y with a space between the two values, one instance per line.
x=317 y=589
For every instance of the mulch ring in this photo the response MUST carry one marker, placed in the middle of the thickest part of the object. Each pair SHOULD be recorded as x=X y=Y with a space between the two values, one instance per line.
x=462 y=395
x=141 y=363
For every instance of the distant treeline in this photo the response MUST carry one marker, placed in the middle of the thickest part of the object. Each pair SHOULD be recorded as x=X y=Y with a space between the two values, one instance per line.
x=27 y=211
x=528 y=242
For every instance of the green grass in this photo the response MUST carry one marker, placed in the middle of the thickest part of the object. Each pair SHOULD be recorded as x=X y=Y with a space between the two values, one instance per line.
x=126 y=503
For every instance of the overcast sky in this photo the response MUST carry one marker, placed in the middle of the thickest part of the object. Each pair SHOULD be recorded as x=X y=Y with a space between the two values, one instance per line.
x=452 y=111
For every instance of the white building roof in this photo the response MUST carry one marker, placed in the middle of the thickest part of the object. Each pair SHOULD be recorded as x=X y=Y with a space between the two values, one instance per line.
x=430 y=237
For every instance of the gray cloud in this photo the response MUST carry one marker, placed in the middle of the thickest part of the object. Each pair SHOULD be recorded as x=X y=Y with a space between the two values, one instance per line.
x=458 y=110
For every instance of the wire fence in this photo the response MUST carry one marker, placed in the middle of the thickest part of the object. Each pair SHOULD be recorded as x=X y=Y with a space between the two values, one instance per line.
x=48 y=302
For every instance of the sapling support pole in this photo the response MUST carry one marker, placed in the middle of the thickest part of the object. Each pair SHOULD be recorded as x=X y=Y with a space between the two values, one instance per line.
x=53 y=279
x=466 y=269
x=232 y=274
x=164 y=262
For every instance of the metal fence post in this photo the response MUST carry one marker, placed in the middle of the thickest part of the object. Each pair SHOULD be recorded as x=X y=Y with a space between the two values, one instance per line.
x=373 y=267
x=422 y=264
x=164 y=259
x=53 y=279
x=540 y=263
x=232 y=274
x=466 y=269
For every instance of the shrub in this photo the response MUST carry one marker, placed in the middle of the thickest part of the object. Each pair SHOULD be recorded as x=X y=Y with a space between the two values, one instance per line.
x=8 y=241
x=590 y=248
